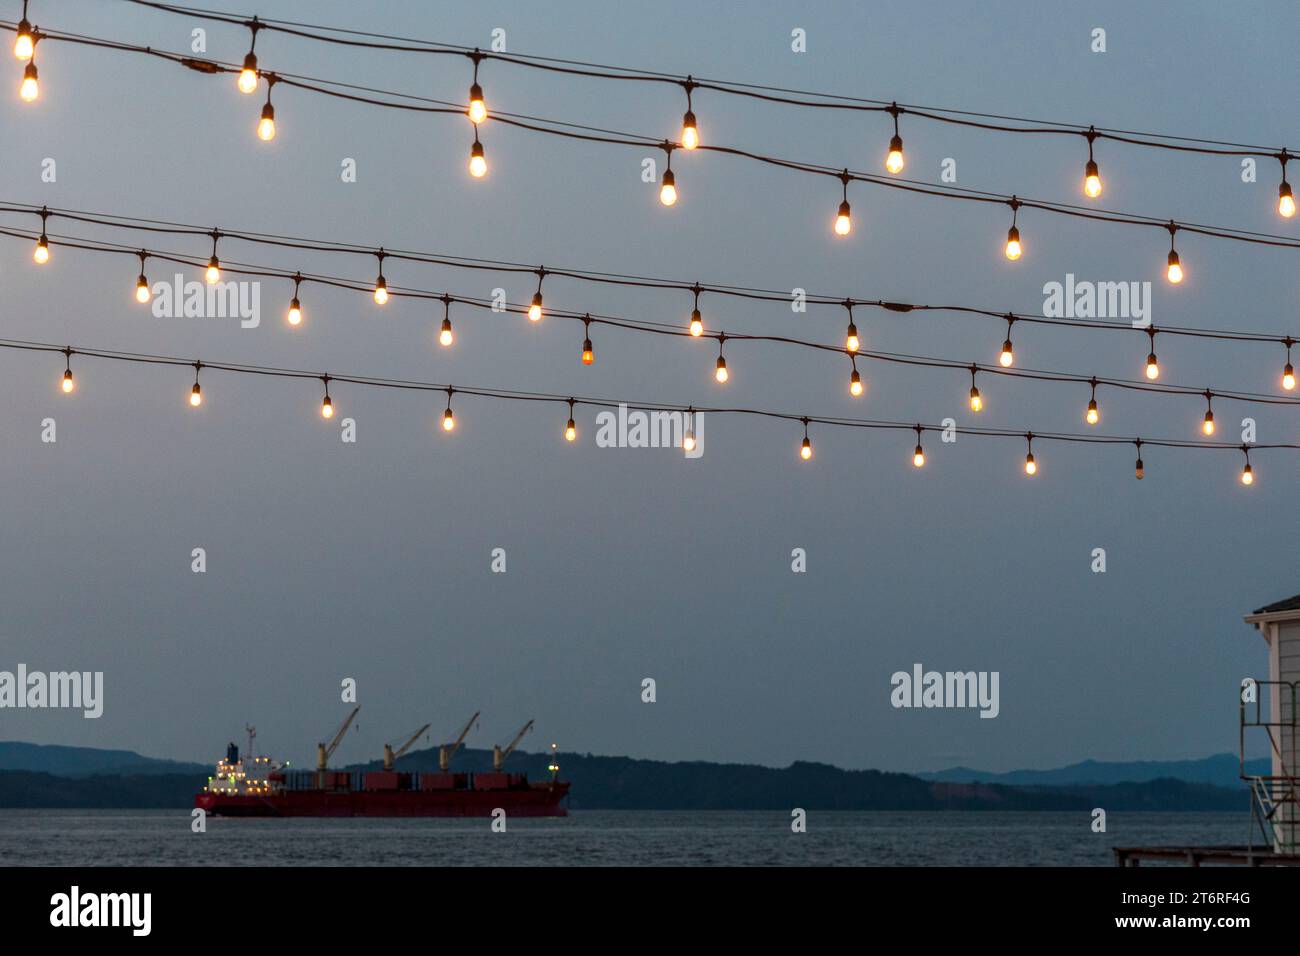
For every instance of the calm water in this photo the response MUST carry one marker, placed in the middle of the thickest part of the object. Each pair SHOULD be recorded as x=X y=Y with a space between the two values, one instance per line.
x=601 y=838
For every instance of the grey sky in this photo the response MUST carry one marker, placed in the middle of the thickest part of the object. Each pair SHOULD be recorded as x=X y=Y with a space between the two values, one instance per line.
x=370 y=561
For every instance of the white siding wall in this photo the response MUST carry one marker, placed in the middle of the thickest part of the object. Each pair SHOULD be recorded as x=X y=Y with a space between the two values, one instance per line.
x=1288 y=669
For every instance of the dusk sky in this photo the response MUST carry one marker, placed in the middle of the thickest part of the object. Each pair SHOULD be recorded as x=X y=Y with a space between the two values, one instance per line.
x=371 y=560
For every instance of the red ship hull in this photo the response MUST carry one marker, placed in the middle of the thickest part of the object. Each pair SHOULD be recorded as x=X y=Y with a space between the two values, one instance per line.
x=539 y=800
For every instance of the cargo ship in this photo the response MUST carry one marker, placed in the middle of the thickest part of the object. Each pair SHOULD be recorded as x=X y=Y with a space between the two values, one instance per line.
x=256 y=786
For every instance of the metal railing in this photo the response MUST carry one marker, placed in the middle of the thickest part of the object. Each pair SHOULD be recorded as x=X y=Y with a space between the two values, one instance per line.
x=1275 y=796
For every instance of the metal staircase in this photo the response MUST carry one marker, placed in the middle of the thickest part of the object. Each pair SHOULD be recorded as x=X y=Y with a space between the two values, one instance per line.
x=1275 y=796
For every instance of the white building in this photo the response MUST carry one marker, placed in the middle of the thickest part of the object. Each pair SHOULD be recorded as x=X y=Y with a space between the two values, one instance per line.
x=1273 y=711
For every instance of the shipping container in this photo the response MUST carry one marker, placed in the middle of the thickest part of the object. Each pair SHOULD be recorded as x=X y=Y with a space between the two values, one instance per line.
x=380 y=780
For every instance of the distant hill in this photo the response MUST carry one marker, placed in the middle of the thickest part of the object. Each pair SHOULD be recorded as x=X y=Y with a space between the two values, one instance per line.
x=1221 y=770
x=85 y=761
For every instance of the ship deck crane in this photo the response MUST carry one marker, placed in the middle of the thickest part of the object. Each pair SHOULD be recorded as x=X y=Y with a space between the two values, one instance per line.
x=499 y=756
x=390 y=755
x=447 y=751
x=323 y=752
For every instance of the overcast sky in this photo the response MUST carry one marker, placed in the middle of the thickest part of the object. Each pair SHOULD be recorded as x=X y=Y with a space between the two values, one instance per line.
x=329 y=560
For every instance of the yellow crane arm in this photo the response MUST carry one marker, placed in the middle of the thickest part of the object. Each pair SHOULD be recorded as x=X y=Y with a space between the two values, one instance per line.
x=413 y=738
x=499 y=755
x=338 y=738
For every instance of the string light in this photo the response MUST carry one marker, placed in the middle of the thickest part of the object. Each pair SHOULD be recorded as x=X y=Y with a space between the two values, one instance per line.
x=844 y=218
x=477 y=111
x=805 y=449
x=142 y=291
x=68 y=384
x=1013 y=249
x=247 y=81
x=24 y=39
x=855 y=380
x=918 y=455
x=1285 y=201
x=213 y=273
x=720 y=370
x=1247 y=473
x=1175 y=271
x=30 y=88
x=326 y=405
x=477 y=159
x=690 y=129
x=668 y=184
x=1288 y=373
x=266 y=125
x=1007 y=357
x=448 y=419
x=1093 y=415
x=894 y=161
x=1139 y=472
x=445 y=335
x=571 y=427
x=1031 y=466
x=851 y=340
x=588 y=353
x=976 y=402
x=196 y=393
x=1207 y=424
x=535 y=309
x=295 y=306
x=1153 y=367
x=697 y=321
x=381 y=284
x=1091 y=175
x=688 y=436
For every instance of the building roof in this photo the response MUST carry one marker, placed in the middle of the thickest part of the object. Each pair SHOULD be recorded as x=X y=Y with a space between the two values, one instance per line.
x=1287 y=604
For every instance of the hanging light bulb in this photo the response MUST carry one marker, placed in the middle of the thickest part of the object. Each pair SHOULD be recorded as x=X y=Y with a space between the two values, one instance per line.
x=570 y=427
x=1139 y=471
x=41 y=254
x=213 y=273
x=448 y=419
x=1031 y=466
x=295 y=311
x=326 y=405
x=266 y=125
x=381 y=290
x=894 y=160
x=142 y=291
x=477 y=160
x=668 y=188
x=690 y=131
x=976 y=402
x=1288 y=373
x=918 y=455
x=1175 y=271
x=1007 y=357
x=851 y=340
x=1093 y=415
x=697 y=324
x=1207 y=423
x=720 y=372
x=1285 y=201
x=24 y=41
x=855 y=384
x=196 y=395
x=1013 y=244
x=30 y=88
x=477 y=111
x=1247 y=473
x=688 y=436
x=588 y=354
x=843 y=220
x=1091 y=180
x=805 y=450
x=445 y=336
x=535 y=309
x=68 y=384
x=247 y=81
x=1153 y=367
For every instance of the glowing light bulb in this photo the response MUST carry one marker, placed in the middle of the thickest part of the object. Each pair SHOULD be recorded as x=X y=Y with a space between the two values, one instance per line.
x=843 y=220
x=477 y=161
x=1247 y=475
x=851 y=341
x=196 y=395
x=690 y=131
x=721 y=373
x=24 y=43
x=918 y=457
x=1091 y=180
x=894 y=162
x=855 y=384
x=1013 y=244
x=445 y=336
x=1175 y=271
x=1207 y=426
x=381 y=291
x=247 y=81
x=697 y=324
x=327 y=408
x=41 y=254
x=30 y=88
x=668 y=189
x=1031 y=466
x=68 y=383
x=1285 y=201
x=571 y=431
x=1093 y=415
x=688 y=441
x=448 y=421
x=535 y=309
x=976 y=402
x=142 y=291
x=477 y=111
x=1007 y=357
x=805 y=450
x=295 y=311
x=588 y=354
x=1153 y=367
x=266 y=125
x=213 y=274
x=1288 y=377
